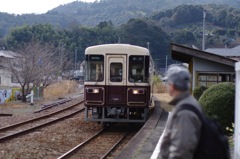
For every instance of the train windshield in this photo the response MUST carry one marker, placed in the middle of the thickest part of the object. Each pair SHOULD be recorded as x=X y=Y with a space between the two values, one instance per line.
x=94 y=68
x=139 y=69
x=116 y=72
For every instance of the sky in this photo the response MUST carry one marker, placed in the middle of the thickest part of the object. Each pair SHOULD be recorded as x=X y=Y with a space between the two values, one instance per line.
x=32 y=6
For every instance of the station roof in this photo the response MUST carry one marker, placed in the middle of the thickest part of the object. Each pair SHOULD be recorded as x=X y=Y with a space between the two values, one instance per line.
x=185 y=54
x=7 y=54
x=225 y=51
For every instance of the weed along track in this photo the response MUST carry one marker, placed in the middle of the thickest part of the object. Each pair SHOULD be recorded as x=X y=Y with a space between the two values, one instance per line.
x=30 y=125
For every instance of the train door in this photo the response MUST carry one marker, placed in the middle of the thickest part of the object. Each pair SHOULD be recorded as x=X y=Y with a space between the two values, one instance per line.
x=116 y=80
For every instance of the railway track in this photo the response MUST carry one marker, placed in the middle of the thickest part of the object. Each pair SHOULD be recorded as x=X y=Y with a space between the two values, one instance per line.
x=99 y=145
x=53 y=104
x=30 y=125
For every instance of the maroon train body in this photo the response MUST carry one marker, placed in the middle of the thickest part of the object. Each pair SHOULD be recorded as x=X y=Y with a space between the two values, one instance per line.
x=117 y=86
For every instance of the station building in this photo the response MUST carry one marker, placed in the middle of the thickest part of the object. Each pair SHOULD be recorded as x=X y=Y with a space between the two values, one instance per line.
x=5 y=73
x=206 y=68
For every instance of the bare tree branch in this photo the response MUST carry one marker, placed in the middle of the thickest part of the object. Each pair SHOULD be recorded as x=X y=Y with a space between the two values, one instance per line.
x=37 y=64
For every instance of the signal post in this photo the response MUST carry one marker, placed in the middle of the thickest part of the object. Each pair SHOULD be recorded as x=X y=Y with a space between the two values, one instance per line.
x=237 y=114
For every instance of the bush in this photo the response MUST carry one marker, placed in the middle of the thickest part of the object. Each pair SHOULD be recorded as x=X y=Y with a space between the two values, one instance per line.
x=198 y=91
x=218 y=103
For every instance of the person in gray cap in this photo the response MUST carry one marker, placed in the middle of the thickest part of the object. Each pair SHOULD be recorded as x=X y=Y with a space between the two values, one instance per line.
x=182 y=132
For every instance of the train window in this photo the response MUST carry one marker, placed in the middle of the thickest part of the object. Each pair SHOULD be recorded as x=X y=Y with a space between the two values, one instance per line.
x=116 y=72
x=139 y=69
x=94 y=68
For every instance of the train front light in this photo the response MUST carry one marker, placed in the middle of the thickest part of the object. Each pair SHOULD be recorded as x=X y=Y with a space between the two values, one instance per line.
x=138 y=91
x=135 y=91
x=93 y=90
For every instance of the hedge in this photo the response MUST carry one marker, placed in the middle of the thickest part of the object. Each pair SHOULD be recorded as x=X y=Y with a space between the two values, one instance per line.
x=218 y=102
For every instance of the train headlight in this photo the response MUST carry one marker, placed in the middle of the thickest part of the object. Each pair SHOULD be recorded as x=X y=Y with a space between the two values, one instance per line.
x=93 y=90
x=135 y=91
x=138 y=91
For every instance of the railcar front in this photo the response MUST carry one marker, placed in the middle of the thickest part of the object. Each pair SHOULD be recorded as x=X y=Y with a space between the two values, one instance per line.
x=117 y=83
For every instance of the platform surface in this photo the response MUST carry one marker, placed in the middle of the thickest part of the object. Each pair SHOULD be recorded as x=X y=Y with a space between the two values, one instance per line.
x=143 y=144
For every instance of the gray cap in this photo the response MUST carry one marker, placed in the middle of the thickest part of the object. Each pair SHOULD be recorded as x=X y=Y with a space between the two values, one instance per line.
x=179 y=77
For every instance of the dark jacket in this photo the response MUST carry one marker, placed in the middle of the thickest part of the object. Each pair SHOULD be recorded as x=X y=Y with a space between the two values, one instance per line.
x=182 y=132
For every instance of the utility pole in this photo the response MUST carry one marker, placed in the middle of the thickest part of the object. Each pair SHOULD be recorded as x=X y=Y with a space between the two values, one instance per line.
x=119 y=40
x=61 y=57
x=61 y=62
x=166 y=62
x=148 y=44
x=203 y=39
x=75 y=59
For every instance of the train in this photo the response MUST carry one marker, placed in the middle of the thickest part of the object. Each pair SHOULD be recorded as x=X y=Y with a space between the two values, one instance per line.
x=118 y=83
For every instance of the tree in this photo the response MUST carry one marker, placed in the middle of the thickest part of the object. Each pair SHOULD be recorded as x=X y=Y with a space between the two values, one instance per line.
x=140 y=32
x=187 y=13
x=44 y=33
x=33 y=65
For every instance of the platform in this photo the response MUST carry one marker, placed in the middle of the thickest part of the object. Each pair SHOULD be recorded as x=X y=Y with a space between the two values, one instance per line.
x=143 y=144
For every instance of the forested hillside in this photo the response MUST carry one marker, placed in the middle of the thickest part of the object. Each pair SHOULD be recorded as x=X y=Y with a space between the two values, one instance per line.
x=90 y=14
x=182 y=24
x=136 y=31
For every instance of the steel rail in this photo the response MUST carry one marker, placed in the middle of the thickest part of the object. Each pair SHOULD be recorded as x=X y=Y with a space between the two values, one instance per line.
x=7 y=137
x=76 y=148
x=54 y=104
x=3 y=114
x=114 y=146
x=81 y=145
x=39 y=118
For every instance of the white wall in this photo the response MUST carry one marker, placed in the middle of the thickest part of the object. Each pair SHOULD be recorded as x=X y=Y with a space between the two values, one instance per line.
x=237 y=112
x=210 y=66
x=5 y=77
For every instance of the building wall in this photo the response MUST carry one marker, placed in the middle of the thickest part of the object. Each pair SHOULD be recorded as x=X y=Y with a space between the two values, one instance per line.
x=210 y=66
x=5 y=77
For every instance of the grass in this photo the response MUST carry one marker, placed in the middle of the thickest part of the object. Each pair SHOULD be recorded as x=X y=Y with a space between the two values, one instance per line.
x=160 y=93
x=60 y=89
x=164 y=98
x=159 y=86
